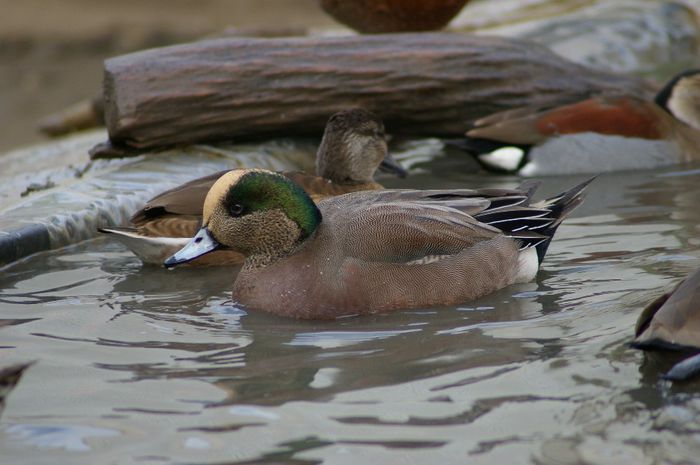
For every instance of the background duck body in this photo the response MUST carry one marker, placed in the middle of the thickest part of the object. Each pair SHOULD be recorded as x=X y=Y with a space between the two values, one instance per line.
x=352 y=149
x=605 y=133
x=178 y=212
x=672 y=321
x=373 y=251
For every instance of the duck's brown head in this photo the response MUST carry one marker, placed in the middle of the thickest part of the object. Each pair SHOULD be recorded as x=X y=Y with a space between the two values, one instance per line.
x=255 y=212
x=681 y=97
x=353 y=147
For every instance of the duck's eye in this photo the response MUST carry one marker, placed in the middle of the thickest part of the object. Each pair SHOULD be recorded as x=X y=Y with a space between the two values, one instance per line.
x=236 y=209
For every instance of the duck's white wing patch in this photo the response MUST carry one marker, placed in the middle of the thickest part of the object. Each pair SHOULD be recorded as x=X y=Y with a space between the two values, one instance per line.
x=504 y=158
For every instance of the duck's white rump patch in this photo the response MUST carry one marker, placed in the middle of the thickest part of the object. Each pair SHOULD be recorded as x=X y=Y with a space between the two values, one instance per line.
x=528 y=265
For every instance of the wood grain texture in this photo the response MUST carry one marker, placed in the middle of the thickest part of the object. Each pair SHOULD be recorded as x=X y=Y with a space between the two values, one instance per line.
x=420 y=84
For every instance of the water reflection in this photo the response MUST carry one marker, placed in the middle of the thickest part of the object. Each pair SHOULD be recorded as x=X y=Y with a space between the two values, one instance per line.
x=175 y=373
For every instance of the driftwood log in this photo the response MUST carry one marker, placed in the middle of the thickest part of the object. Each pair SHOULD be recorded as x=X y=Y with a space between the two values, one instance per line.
x=420 y=84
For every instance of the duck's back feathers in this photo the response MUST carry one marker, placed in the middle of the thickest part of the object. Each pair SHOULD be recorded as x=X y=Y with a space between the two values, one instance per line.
x=672 y=322
x=672 y=319
x=401 y=231
x=319 y=187
x=626 y=117
x=186 y=199
x=178 y=212
x=602 y=134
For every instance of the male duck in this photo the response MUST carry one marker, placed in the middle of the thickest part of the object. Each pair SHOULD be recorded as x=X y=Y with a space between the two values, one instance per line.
x=672 y=322
x=352 y=148
x=605 y=133
x=375 y=251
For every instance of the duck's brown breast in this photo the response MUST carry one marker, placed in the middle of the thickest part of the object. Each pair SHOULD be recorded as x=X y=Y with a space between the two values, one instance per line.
x=319 y=284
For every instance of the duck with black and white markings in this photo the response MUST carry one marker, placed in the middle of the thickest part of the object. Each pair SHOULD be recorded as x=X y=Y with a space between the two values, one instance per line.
x=600 y=134
x=373 y=251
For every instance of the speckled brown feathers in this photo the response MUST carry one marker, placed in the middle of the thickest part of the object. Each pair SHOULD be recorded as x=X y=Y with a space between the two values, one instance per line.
x=365 y=258
x=373 y=251
x=352 y=148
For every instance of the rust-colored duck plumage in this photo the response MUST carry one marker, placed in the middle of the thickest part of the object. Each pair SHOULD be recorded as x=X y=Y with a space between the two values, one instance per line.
x=602 y=133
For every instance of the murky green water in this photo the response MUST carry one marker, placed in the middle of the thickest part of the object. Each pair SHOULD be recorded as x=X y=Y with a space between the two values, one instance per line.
x=144 y=365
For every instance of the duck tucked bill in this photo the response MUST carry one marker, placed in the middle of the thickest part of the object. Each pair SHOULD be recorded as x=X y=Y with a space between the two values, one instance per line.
x=373 y=251
x=672 y=322
x=603 y=133
x=352 y=149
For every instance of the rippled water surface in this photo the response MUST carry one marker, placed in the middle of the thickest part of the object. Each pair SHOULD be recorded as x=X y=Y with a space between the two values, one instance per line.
x=142 y=365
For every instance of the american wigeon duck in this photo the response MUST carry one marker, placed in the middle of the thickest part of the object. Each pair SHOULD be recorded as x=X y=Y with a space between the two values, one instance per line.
x=604 y=133
x=672 y=322
x=373 y=251
x=9 y=377
x=353 y=147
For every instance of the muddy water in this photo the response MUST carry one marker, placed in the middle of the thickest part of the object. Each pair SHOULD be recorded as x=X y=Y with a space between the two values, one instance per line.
x=143 y=365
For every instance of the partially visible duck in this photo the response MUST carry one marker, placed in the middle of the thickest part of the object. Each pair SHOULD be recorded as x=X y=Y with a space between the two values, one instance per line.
x=380 y=16
x=373 y=251
x=672 y=322
x=9 y=377
x=604 y=133
x=352 y=149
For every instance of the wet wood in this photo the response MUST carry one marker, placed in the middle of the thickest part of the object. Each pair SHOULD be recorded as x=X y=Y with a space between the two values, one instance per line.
x=420 y=84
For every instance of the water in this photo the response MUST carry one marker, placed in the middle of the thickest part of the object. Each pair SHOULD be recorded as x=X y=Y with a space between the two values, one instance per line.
x=143 y=365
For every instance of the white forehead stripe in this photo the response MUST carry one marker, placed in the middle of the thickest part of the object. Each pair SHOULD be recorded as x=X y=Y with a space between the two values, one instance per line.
x=218 y=191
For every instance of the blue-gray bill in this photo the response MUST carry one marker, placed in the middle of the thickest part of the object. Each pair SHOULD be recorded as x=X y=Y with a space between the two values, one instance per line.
x=390 y=165
x=202 y=243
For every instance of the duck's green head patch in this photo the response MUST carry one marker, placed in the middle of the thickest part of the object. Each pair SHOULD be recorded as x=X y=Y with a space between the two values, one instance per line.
x=243 y=192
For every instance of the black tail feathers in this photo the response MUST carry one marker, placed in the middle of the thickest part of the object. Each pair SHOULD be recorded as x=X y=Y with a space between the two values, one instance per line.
x=534 y=225
x=560 y=207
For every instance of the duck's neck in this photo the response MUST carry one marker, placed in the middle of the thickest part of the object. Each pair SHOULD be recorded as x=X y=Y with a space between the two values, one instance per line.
x=262 y=259
x=258 y=261
x=334 y=161
x=281 y=237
